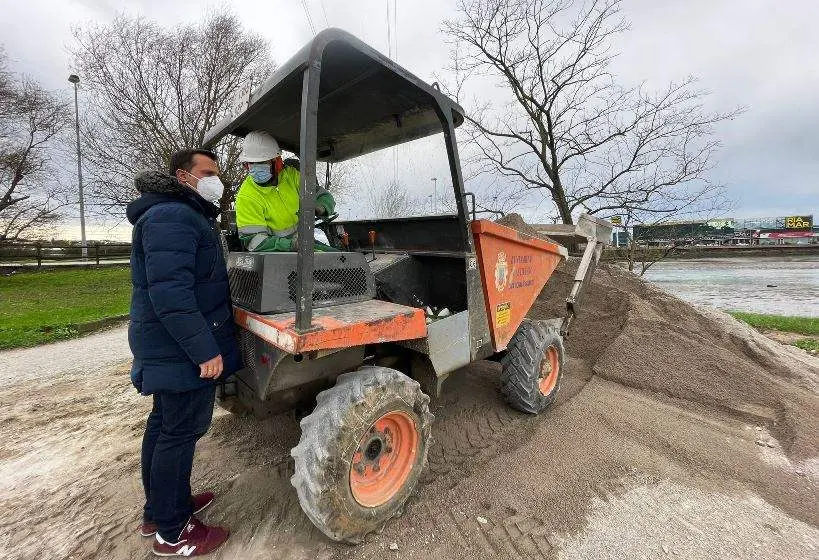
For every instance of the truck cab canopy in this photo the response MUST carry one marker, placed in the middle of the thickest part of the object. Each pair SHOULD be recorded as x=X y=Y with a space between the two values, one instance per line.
x=366 y=101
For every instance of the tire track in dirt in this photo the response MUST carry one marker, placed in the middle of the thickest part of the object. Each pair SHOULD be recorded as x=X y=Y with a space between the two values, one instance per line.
x=512 y=536
x=473 y=423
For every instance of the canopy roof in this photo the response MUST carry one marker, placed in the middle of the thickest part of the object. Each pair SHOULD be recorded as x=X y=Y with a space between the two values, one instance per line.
x=366 y=101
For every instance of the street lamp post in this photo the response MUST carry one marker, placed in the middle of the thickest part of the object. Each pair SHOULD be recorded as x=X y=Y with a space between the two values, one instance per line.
x=74 y=79
x=434 y=195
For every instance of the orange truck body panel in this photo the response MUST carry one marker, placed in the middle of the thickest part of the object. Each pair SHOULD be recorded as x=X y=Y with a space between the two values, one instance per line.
x=514 y=268
x=339 y=326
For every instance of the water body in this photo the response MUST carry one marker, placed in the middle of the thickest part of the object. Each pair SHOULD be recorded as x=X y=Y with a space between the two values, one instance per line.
x=778 y=285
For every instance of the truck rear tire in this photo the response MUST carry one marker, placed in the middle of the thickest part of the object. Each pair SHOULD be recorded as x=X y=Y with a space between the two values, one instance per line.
x=361 y=452
x=532 y=367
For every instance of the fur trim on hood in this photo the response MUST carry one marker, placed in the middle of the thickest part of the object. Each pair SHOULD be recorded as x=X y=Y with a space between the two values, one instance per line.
x=157 y=188
x=158 y=182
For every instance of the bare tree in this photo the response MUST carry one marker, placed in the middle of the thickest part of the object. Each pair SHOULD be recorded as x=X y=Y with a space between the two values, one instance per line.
x=342 y=183
x=569 y=131
x=392 y=201
x=153 y=90
x=31 y=120
x=647 y=256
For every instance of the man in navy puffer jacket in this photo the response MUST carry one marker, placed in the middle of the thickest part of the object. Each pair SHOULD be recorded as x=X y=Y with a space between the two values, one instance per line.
x=183 y=340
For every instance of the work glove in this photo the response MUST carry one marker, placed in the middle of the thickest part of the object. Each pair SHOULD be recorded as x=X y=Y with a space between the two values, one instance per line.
x=294 y=242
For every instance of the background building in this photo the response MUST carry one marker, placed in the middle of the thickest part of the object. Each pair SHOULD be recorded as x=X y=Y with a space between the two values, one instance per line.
x=778 y=230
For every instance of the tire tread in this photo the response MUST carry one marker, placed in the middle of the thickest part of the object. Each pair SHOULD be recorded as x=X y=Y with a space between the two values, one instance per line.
x=521 y=366
x=317 y=454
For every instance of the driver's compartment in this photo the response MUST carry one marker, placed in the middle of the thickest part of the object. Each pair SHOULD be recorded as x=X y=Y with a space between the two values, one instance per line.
x=416 y=262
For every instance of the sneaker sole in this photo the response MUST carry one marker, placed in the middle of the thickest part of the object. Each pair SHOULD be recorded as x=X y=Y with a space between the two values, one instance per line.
x=201 y=509
x=175 y=554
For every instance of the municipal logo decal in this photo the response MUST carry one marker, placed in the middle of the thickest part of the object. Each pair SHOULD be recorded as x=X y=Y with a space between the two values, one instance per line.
x=501 y=272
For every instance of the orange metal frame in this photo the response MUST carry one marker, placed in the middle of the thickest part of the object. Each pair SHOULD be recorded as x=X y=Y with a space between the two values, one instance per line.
x=340 y=326
x=514 y=268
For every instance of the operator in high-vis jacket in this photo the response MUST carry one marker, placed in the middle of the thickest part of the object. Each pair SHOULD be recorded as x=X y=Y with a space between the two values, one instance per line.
x=267 y=204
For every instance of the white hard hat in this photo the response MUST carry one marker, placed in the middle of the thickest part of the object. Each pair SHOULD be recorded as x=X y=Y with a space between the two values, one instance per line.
x=259 y=146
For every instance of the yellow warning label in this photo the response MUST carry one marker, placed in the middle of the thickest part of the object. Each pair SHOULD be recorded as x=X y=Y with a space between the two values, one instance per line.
x=503 y=314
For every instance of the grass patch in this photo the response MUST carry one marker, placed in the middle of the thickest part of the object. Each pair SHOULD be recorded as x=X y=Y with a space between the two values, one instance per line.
x=809 y=344
x=800 y=325
x=40 y=307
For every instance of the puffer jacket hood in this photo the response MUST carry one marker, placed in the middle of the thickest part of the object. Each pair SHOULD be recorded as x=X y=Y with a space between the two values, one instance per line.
x=157 y=187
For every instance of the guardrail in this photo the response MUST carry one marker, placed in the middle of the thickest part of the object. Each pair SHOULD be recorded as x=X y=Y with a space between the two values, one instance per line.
x=40 y=253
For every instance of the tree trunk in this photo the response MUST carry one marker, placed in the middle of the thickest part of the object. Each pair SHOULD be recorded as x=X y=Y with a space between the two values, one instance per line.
x=559 y=196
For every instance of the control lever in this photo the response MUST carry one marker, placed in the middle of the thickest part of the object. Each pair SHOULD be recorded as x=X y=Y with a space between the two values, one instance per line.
x=372 y=243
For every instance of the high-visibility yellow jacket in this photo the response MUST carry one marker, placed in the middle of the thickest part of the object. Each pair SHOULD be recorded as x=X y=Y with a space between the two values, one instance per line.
x=267 y=215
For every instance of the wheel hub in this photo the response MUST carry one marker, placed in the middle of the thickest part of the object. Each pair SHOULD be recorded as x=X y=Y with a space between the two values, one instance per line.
x=549 y=370
x=384 y=459
x=371 y=450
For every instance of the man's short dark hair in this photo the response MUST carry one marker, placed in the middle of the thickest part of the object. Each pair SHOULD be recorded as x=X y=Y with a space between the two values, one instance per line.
x=183 y=159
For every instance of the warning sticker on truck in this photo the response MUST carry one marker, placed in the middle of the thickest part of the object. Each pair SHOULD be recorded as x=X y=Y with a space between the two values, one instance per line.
x=503 y=314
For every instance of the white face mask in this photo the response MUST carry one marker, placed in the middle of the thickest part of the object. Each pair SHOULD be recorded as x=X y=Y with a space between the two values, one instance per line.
x=209 y=188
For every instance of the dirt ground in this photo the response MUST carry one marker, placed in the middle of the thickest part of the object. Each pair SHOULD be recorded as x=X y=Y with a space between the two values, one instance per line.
x=678 y=433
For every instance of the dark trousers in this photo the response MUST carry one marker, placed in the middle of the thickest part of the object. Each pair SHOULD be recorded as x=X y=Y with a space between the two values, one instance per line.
x=174 y=425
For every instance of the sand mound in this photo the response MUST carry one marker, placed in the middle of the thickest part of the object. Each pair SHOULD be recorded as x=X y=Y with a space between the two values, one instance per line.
x=641 y=337
x=516 y=221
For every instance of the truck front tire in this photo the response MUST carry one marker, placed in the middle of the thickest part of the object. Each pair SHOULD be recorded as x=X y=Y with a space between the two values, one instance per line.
x=361 y=452
x=532 y=367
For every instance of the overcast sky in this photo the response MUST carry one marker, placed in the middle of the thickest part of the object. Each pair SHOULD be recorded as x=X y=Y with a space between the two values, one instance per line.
x=754 y=53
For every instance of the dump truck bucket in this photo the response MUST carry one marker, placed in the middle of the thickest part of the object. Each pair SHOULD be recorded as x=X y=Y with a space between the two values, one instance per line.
x=587 y=229
x=514 y=268
x=595 y=234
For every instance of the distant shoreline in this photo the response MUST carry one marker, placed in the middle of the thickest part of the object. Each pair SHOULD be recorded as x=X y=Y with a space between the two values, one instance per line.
x=621 y=253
